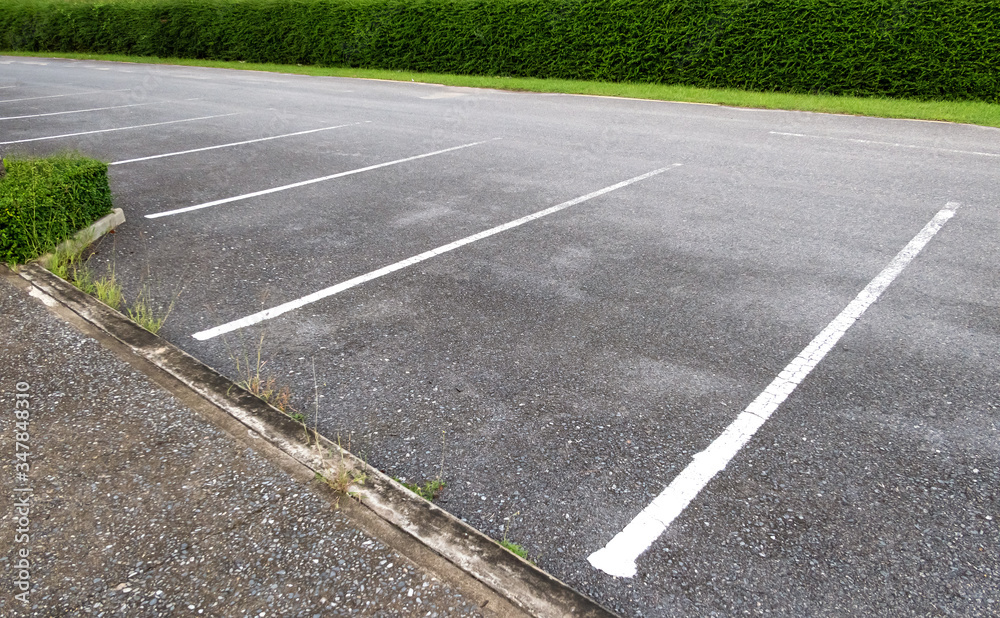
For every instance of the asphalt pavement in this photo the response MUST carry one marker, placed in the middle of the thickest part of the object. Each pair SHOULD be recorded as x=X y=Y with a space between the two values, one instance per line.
x=132 y=503
x=650 y=269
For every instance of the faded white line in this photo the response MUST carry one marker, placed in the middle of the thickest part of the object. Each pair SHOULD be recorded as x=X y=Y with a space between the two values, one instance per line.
x=274 y=312
x=249 y=141
x=56 y=96
x=445 y=95
x=303 y=183
x=619 y=555
x=894 y=144
x=136 y=126
x=76 y=111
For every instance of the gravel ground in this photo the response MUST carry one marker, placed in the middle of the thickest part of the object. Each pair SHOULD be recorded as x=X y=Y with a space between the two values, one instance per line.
x=141 y=508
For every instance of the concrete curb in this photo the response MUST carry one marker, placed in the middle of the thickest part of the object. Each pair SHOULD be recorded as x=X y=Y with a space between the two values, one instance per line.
x=86 y=236
x=519 y=582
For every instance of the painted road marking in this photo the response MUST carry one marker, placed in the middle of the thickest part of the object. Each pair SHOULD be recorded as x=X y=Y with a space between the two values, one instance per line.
x=56 y=96
x=897 y=145
x=136 y=126
x=76 y=111
x=303 y=183
x=445 y=95
x=274 y=312
x=249 y=141
x=619 y=555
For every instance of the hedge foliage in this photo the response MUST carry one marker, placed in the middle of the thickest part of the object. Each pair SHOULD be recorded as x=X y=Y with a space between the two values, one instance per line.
x=44 y=201
x=931 y=49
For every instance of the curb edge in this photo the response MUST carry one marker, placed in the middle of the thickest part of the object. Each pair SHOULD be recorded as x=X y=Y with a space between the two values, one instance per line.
x=521 y=583
x=86 y=236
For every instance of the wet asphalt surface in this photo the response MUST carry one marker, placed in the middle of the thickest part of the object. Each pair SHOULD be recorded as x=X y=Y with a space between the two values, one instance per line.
x=560 y=374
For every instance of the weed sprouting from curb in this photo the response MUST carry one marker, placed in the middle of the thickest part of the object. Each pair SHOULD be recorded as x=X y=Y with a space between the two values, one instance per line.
x=338 y=475
x=84 y=279
x=72 y=268
x=341 y=477
x=143 y=314
x=432 y=488
x=267 y=389
x=108 y=291
x=516 y=549
x=315 y=404
x=257 y=383
x=335 y=472
x=512 y=547
x=345 y=478
x=428 y=491
x=63 y=264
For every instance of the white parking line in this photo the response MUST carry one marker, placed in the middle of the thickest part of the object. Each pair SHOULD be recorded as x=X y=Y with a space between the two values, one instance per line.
x=249 y=141
x=76 y=111
x=136 y=126
x=445 y=95
x=303 y=183
x=56 y=96
x=619 y=555
x=274 y=312
x=897 y=145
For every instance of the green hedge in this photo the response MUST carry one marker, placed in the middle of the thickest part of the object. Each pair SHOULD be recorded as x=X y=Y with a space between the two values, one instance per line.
x=930 y=49
x=45 y=201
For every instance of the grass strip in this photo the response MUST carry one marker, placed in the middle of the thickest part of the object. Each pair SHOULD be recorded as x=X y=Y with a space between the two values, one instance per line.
x=966 y=112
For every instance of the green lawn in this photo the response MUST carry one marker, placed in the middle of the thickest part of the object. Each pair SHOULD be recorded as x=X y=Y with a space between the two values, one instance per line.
x=969 y=112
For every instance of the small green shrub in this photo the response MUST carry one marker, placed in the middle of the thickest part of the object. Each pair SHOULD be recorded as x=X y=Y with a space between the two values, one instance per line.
x=43 y=201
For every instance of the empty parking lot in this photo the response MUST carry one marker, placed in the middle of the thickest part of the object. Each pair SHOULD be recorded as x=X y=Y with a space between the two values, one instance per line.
x=559 y=304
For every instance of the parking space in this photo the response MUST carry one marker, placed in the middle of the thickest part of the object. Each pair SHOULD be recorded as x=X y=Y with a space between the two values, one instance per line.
x=559 y=303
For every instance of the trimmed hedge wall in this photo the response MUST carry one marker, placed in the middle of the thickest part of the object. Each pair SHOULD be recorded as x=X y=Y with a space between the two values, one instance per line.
x=932 y=49
x=45 y=201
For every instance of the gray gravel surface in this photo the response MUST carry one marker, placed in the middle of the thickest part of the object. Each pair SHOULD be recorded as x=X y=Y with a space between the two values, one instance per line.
x=561 y=374
x=141 y=508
